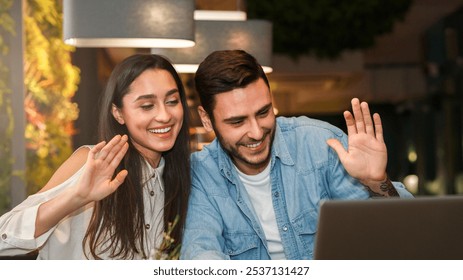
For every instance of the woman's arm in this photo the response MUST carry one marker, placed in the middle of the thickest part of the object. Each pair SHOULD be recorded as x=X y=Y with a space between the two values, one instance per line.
x=95 y=183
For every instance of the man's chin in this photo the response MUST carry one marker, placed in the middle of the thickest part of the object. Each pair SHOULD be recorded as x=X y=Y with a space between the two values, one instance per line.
x=257 y=162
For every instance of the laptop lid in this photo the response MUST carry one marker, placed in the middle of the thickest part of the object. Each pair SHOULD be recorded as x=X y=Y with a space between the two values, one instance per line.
x=394 y=229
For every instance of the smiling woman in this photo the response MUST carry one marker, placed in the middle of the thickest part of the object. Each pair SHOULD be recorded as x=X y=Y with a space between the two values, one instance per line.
x=115 y=199
x=152 y=111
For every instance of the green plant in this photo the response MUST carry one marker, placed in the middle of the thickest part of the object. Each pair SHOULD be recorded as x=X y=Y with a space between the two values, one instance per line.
x=6 y=114
x=168 y=250
x=325 y=28
x=51 y=82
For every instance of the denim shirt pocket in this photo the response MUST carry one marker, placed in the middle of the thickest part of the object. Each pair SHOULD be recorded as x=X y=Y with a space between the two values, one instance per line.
x=242 y=245
x=305 y=226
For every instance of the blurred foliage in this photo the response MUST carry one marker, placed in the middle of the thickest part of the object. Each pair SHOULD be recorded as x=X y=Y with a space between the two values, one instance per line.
x=168 y=250
x=326 y=28
x=6 y=113
x=51 y=81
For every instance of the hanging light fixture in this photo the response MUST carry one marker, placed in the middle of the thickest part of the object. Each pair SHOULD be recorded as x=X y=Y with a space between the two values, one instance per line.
x=219 y=15
x=129 y=23
x=253 y=36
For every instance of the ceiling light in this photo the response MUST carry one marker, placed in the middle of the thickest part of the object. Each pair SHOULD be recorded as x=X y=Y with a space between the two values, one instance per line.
x=253 y=36
x=219 y=15
x=129 y=23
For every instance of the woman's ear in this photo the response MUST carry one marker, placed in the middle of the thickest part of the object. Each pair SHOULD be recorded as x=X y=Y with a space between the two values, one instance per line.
x=205 y=119
x=117 y=114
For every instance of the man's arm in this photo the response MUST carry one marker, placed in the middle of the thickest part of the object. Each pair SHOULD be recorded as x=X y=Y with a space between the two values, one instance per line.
x=385 y=187
x=202 y=238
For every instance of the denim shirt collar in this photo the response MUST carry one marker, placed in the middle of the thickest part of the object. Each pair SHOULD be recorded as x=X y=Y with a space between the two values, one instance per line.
x=280 y=148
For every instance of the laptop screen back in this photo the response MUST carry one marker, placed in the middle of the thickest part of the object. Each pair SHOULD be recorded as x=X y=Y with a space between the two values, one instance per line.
x=395 y=229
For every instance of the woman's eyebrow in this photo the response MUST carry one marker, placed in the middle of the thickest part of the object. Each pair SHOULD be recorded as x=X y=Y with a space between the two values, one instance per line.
x=153 y=96
x=145 y=96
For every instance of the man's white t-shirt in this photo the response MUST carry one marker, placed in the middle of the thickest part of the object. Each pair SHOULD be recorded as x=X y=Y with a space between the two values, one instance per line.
x=260 y=193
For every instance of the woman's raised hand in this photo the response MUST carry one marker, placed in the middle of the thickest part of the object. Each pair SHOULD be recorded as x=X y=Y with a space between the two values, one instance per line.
x=97 y=181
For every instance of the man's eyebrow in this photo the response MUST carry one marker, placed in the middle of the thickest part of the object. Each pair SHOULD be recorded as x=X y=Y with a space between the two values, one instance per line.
x=152 y=96
x=234 y=119
x=265 y=108
x=240 y=118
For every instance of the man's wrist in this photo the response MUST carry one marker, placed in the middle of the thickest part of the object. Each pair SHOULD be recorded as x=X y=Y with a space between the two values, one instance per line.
x=383 y=188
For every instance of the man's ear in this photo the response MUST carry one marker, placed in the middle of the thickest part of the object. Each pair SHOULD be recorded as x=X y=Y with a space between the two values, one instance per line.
x=117 y=114
x=205 y=119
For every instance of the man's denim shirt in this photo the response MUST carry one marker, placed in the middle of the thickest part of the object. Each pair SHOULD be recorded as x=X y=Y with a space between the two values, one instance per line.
x=221 y=222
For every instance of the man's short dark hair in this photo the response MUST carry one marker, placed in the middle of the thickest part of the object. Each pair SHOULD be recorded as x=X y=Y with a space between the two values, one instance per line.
x=223 y=71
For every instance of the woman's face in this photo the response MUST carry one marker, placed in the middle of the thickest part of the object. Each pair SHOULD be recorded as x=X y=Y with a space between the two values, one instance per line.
x=153 y=113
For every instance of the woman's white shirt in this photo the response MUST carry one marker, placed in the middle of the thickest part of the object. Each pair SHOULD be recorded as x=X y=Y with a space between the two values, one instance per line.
x=64 y=240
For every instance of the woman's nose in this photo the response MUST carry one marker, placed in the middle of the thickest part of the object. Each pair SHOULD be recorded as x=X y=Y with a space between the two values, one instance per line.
x=163 y=114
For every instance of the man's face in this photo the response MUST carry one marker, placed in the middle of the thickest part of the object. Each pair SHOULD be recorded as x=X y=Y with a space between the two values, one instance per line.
x=244 y=124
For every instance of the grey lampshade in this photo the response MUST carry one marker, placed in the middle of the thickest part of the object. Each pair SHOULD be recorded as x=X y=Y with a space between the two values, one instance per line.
x=253 y=36
x=129 y=23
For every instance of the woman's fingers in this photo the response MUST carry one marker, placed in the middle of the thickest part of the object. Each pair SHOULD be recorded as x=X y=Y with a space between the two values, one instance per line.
x=119 y=155
x=115 y=148
x=118 y=180
x=108 y=151
x=95 y=150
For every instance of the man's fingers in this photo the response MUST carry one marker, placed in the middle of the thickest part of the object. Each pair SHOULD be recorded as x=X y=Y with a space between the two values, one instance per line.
x=361 y=121
x=378 y=128
x=367 y=119
x=358 y=116
x=337 y=147
x=350 y=123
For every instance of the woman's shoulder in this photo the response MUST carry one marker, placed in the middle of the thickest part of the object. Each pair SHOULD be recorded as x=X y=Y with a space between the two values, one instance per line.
x=69 y=167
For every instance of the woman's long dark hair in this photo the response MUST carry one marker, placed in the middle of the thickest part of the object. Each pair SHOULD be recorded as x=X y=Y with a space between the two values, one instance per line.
x=117 y=225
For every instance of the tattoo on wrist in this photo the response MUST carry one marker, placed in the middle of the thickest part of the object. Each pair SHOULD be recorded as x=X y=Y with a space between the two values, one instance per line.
x=386 y=187
x=373 y=193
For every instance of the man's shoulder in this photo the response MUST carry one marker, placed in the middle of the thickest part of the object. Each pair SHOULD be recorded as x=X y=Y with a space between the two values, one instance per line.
x=208 y=170
x=207 y=159
x=303 y=123
x=208 y=152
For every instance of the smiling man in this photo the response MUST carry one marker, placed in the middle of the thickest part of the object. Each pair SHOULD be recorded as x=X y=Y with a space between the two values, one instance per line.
x=256 y=189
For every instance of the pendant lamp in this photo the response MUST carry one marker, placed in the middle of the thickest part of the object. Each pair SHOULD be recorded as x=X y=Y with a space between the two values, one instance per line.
x=253 y=36
x=129 y=23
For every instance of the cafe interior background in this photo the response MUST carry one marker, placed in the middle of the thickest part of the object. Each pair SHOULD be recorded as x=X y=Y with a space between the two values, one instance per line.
x=404 y=57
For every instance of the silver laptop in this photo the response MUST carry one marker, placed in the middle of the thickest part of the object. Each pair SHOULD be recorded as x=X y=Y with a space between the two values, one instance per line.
x=424 y=228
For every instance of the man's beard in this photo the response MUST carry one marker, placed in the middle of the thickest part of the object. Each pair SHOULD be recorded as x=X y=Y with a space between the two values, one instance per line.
x=234 y=154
